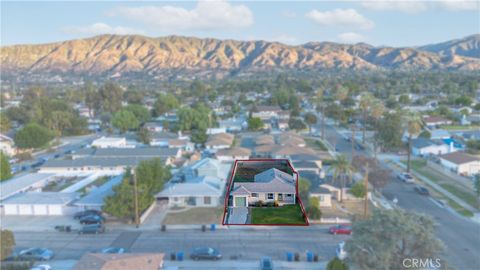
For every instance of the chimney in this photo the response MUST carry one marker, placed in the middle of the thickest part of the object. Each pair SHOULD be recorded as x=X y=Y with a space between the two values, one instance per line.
x=450 y=148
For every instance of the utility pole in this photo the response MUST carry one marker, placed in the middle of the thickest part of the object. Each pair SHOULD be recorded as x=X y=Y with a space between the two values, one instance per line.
x=353 y=141
x=135 y=192
x=323 y=122
x=365 y=213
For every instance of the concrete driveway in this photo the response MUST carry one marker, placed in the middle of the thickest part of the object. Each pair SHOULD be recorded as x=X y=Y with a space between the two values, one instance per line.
x=238 y=215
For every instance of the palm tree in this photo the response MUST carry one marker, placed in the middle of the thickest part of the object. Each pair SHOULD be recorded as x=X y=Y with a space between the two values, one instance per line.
x=376 y=111
x=413 y=124
x=366 y=100
x=341 y=168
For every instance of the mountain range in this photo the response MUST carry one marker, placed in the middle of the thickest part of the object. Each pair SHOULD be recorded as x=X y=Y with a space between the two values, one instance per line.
x=120 y=55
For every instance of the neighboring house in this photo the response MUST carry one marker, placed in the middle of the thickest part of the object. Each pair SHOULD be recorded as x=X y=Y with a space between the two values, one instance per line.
x=264 y=140
x=208 y=167
x=439 y=134
x=232 y=154
x=40 y=203
x=125 y=261
x=461 y=109
x=24 y=183
x=162 y=138
x=336 y=188
x=291 y=138
x=219 y=141
x=461 y=163
x=324 y=196
x=233 y=124
x=95 y=198
x=283 y=124
x=212 y=131
x=110 y=142
x=7 y=146
x=268 y=186
x=201 y=191
x=140 y=152
x=183 y=144
x=105 y=165
x=436 y=121
x=307 y=166
x=266 y=112
x=425 y=147
x=153 y=126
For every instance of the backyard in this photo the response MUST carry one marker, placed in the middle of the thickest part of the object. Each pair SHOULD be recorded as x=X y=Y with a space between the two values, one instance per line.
x=246 y=171
x=287 y=214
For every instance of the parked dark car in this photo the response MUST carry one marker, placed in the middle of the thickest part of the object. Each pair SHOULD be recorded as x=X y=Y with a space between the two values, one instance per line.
x=422 y=190
x=266 y=263
x=85 y=213
x=205 y=253
x=34 y=254
x=92 y=229
x=113 y=250
x=92 y=219
x=340 y=229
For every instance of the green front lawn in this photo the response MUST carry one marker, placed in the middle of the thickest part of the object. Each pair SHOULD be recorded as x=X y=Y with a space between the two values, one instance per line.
x=287 y=214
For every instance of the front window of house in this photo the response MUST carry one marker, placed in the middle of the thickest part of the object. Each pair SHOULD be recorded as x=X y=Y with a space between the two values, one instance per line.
x=207 y=200
x=270 y=196
x=255 y=195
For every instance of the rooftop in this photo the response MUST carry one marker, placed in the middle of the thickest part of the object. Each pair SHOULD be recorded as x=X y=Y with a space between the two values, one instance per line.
x=42 y=198
x=14 y=185
x=459 y=157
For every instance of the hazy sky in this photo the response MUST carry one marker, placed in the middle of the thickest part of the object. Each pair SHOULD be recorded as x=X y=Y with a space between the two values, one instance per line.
x=384 y=22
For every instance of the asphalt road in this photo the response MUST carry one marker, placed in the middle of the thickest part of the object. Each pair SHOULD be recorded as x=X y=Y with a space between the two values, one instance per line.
x=245 y=244
x=460 y=235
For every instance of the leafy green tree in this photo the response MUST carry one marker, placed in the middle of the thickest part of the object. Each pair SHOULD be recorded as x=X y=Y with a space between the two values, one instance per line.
x=19 y=114
x=5 y=170
x=336 y=264
x=296 y=123
x=151 y=175
x=389 y=237
x=341 y=169
x=463 y=101
x=413 y=124
x=133 y=96
x=92 y=98
x=425 y=134
x=310 y=119
x=473 y=146
x=304 y=189
x=255 y=123
x=404 y=99
x=59 y=121
x=358 y=190
x=144 y=135
x=199 y=136
x=313 y=210
x=110 y=96
x=141 y=112
x=165 y=103
x=32 y=136
x=4 y=123
x=390 y=131
x=197 y=117
x=7 y=240
x=125 y=120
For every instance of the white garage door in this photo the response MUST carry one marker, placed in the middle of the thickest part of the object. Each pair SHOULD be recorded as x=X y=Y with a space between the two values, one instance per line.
x=40 y=210
x=25 y=209
x=55 y=210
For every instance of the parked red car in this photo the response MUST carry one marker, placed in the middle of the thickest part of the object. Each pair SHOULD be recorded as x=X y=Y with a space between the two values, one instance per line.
x=340 y=229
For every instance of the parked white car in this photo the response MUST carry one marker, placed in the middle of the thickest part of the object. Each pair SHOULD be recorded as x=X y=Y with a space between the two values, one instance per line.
x=340 y=251
x=406 y=177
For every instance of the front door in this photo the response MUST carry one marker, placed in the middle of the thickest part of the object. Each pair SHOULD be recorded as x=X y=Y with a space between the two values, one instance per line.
x=240 y=201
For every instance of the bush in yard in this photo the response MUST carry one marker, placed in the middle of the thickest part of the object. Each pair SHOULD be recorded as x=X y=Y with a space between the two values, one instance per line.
x=275 y=203
x=358 y=190
x=7 y=241
x=259 y=203
x=336 y=264
x=313 y=212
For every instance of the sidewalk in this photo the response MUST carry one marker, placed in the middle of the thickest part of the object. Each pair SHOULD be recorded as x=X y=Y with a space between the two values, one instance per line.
x=240 y=265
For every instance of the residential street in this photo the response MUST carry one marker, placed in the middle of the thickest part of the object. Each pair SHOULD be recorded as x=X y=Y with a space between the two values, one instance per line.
x=460 y=235
x=244 y=243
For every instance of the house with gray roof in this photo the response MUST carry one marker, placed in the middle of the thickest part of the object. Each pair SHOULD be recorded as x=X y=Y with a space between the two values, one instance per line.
x=40 y=203
x=106 y=165
x=268 y=186
x=425 y=147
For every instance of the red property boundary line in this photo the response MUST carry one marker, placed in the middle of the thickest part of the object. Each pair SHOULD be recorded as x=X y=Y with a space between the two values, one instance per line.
x=234 y=169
